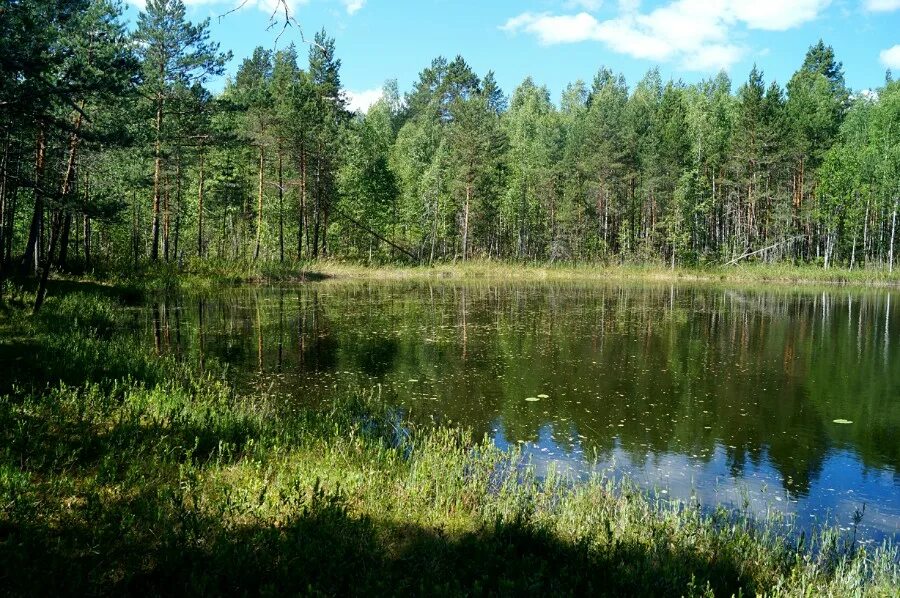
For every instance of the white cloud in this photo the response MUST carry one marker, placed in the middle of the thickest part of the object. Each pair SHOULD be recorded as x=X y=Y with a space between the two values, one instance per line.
x=551 y=29
x=361 y=101
x=353 y=6
x=882 y=5
x=588 y=5
x=777 y=15
x=891 y=57
x=697 y=33
x=712 y=58
x=626 y=36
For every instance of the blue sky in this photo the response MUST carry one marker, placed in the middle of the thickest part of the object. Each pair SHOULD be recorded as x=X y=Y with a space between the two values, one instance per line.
x=560 y=41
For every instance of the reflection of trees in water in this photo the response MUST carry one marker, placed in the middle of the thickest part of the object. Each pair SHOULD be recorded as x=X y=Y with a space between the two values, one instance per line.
x=318 y=346
x=651 y=370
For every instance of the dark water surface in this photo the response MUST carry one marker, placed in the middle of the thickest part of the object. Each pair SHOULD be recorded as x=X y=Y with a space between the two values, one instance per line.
x=734 y=396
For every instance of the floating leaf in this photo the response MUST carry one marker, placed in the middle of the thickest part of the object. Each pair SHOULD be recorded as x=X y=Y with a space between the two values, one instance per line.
x=843 y=421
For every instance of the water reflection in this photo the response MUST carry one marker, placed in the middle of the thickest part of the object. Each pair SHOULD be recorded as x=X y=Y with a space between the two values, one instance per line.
x=730 y=395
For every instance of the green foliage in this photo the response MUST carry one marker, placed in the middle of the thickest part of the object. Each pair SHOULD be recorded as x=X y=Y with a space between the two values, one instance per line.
x=275 y=168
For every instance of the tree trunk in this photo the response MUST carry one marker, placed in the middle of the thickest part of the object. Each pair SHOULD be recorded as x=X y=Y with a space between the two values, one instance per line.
x=57 y=220
x=12 y=196
x=4 y=185
x=866 y=236
x=177 y=208
x=465 y=239
x=166 y=212
x=259 y=202
x=280 y=208
x=157 y=173
x=135 y=231
x=64 y=240
x=324 y=231
x=317 y=206
x=177 y=235
x=32 y=248
x=200 y=204
x=893 y=231
x=301 y=221
x=86 y=234
x=304 y=216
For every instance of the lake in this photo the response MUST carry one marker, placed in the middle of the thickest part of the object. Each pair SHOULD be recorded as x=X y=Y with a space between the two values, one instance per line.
x=760 y=399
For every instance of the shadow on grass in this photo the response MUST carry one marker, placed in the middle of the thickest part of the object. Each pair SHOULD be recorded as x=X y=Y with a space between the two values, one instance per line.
x=57 y=287
x=94 y=500
x=32 y=364
x=325 y=551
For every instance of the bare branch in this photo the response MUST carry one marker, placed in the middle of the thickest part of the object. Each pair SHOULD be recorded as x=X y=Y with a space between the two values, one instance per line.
x=281 y=15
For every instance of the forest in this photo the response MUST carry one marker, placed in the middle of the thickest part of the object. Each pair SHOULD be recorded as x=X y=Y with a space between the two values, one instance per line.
x=115 y=153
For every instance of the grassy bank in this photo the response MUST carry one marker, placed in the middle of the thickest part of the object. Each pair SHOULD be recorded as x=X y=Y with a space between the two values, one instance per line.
x=124 y=472
x=204 y=274
x=208 y=275
x=745 y=274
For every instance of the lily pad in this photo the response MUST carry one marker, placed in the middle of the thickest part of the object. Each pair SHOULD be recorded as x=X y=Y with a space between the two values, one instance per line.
x=843 y=421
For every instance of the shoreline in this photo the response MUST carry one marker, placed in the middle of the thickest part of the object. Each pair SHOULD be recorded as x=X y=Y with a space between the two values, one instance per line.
x=210 y=275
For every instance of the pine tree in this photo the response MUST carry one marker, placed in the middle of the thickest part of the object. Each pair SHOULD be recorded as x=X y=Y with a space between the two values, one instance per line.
x=173 y=53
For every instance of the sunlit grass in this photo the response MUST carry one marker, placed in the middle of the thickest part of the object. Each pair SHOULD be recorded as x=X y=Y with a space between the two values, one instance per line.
x=206 y=273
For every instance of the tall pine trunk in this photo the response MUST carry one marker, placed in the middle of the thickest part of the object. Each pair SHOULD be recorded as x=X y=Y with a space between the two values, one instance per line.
x=200 y=184
x=4 y=212
x=177 y=208
x=317 y=205
x=30 y=261
x=280 y=208
x=57 y=220
x=157 y=174
x=86 y=239
x=259 y=202
x=166 y=212
x=302 y=221
x=893 y=231
x=465 y=239
x=12 y=191
x=64 y=240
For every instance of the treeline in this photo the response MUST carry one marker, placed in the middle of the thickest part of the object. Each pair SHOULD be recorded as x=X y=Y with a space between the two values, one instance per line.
x=114 y=152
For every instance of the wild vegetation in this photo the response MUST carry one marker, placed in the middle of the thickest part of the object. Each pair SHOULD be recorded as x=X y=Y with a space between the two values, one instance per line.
x=121 y=173
x=123 y=471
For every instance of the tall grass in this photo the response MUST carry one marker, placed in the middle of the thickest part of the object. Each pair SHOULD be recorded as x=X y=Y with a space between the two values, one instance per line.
x=142 y=475
x=202 y=274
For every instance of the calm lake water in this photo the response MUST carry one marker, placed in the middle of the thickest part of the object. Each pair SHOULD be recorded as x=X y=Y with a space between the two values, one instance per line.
x=780 y=399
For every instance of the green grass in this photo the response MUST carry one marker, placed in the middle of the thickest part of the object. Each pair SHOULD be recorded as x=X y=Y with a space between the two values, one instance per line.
x=207 y=274
x=122 y=472
x=210 y=274
x=751 y=273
